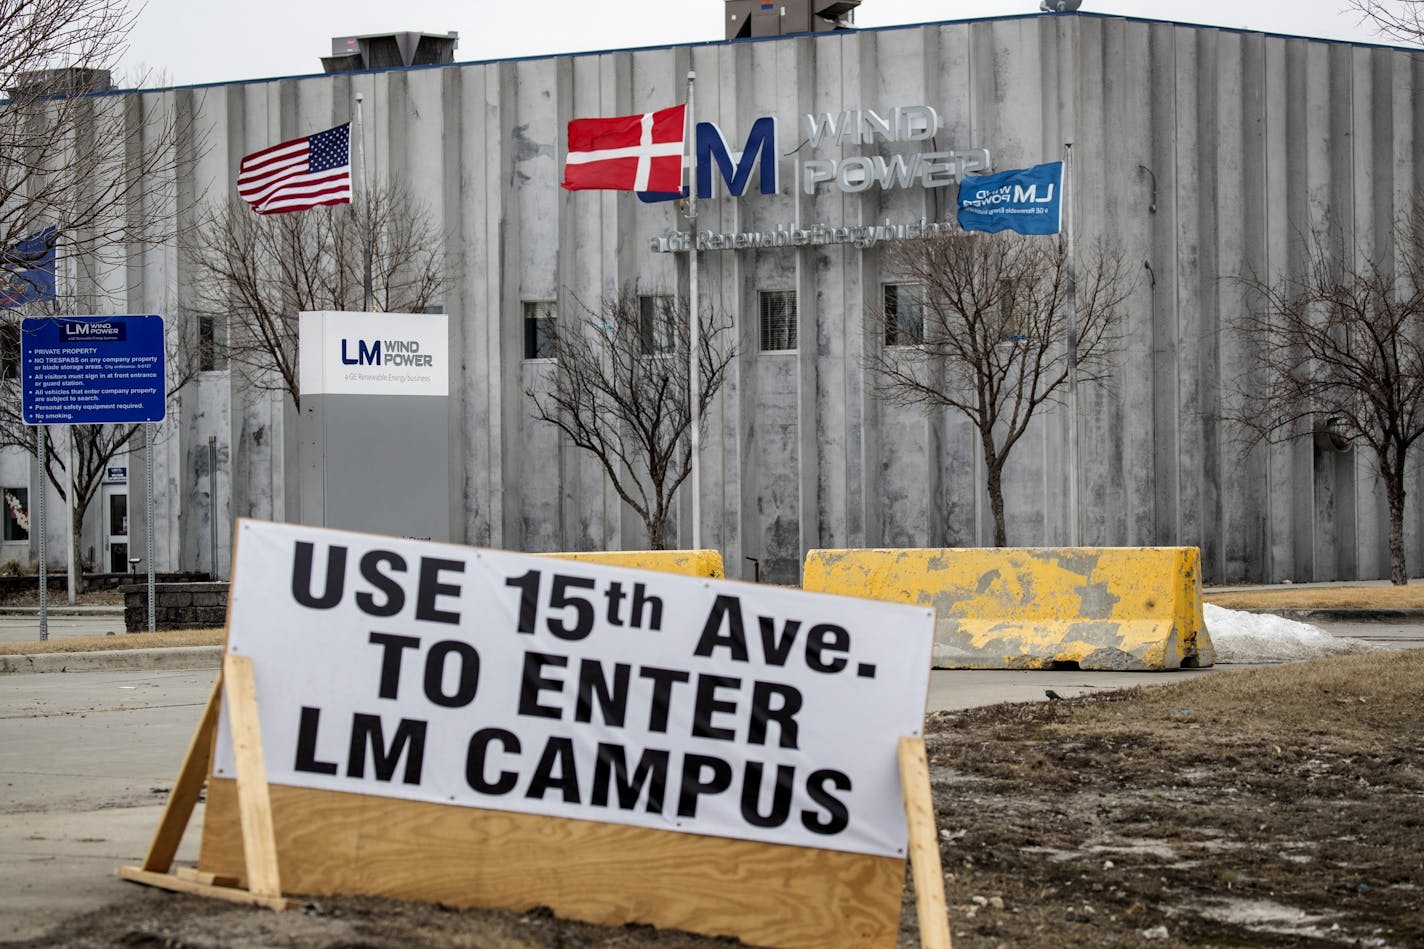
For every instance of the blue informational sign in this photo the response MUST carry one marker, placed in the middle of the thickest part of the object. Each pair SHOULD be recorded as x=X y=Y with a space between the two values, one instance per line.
x=92 y=370
x=1026 y=200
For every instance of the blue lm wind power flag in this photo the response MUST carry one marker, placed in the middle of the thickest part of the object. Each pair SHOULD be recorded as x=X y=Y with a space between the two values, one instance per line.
x=1026 y=200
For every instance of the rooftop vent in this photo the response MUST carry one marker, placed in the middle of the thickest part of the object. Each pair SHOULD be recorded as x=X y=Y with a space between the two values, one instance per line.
x=390 y=50
x=747 y=18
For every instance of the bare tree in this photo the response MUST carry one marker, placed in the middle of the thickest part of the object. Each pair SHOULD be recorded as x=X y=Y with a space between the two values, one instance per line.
x=1400 y=20
x=99 y=168
x=97 y=171
x=255 y=273
x=1342 y=348
x=981 y=327
x=621 y=392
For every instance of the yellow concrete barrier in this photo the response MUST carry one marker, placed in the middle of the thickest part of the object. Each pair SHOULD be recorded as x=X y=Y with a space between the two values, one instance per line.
x=693 y=563
x=1127 y=608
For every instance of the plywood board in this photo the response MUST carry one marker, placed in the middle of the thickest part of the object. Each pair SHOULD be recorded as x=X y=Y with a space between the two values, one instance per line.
x=764 y=894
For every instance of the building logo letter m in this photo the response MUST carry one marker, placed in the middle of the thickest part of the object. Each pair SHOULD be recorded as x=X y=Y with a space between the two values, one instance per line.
x=736 y=168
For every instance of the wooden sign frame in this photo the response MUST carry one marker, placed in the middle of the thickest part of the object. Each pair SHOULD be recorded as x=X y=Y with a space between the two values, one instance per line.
x=263 y=885
x=609 y=874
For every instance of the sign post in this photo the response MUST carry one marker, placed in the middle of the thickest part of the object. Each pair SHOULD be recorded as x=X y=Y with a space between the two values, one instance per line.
x=72 y=582
x=44 y=547
x=92 y=370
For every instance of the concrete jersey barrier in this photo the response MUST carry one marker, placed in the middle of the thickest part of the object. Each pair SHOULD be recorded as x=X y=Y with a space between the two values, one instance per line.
x=693 y=563
x=1103 y=608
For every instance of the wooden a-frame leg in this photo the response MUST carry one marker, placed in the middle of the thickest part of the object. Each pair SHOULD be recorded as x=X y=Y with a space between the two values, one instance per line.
x=178 y=811
x=930 y=905
x=254 y=804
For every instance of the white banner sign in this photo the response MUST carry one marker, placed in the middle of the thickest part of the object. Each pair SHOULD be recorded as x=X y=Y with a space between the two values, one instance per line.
x=374 y=354
x=455 y=675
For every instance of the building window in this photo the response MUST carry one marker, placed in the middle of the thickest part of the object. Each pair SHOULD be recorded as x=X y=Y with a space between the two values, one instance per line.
x=778 y=320
x=17 y=513
x=904 y=314
x=658 y=324
x=9 y=350
x=212 y=343
x=1014 y=325
x=539 y=329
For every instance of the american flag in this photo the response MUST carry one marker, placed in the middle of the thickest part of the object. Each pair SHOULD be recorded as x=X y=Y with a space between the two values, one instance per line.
x=298 y=175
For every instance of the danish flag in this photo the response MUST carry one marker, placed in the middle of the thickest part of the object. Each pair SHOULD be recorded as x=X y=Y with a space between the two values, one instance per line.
x=627 y=153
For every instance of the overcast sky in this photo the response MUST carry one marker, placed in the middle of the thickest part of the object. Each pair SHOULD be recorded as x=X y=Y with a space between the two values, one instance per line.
x=198 y=41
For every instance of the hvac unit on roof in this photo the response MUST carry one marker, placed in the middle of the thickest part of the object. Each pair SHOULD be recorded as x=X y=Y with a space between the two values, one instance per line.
x=390 y=51
x=748 y=18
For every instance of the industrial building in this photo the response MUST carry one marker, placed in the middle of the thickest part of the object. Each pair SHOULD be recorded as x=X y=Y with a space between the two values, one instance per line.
x=1205 y=152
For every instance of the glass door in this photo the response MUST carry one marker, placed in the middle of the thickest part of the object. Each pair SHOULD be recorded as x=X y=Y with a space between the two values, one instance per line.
x=116 y=527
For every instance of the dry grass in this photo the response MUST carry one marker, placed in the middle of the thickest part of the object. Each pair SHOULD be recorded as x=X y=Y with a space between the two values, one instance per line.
x=1371 y=597
x=1337 y=698
x=174 y=637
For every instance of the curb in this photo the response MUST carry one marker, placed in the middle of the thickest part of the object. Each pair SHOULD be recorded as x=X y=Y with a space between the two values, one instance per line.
x=116 y=660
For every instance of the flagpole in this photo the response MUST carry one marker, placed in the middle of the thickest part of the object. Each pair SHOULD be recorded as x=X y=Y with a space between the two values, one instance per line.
x=366 y=197
x=694 y=334
x=1066 y=204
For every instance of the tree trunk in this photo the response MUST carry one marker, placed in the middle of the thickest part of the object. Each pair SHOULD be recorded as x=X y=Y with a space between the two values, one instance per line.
x=994 y=474
x=1394 y=492
x=78 y=555
x=657 y=525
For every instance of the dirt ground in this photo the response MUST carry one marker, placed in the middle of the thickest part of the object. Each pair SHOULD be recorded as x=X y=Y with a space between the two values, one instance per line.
x=1279 y=806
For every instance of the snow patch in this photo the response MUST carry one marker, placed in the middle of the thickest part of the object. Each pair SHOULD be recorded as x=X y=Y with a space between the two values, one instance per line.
x=1264 y=637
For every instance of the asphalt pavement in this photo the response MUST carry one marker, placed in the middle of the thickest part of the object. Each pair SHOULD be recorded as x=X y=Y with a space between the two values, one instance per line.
x=86 y=762
x=22 y=624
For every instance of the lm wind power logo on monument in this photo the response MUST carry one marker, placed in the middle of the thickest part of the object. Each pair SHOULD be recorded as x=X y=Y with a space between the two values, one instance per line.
x=374 y=354
x=387 y=352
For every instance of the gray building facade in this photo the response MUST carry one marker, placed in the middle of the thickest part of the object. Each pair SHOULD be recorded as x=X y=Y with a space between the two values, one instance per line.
x=1206 y=153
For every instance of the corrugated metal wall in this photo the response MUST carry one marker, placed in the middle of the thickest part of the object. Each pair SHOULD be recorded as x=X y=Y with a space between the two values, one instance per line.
x=1206 y=153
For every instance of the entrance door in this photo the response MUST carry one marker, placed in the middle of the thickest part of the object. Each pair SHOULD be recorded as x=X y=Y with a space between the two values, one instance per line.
x=116 y=527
